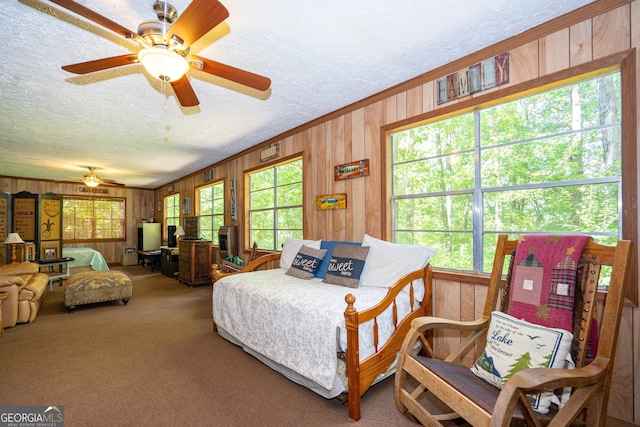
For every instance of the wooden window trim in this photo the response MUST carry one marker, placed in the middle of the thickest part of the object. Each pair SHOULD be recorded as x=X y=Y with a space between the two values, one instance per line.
x=110 y=240
x=625 y=62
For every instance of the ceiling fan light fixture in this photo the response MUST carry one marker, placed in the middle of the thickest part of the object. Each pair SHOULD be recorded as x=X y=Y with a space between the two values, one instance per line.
x=91 y=182
x=162 y=63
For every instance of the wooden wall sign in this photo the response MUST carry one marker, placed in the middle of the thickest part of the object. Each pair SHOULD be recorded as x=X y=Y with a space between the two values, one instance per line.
x=5 y=220
x=269 y=153
x=84 y=189
x=49 y=226
x=351 y=170
x=50 y=219
x=4 y=217
x=484 y=75
x=24 y=217
x=331 y=201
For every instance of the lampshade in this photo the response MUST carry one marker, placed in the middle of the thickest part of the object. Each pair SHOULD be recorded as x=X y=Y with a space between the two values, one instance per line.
x=162 y=63
x=179 y=231
x=13 y=238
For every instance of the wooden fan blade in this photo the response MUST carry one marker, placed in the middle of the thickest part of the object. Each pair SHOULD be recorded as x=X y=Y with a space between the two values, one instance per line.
x=200 y=17
x=234 y=74
x=111 y=182
x=184 y=92
x=95 y=17
x=101 y=64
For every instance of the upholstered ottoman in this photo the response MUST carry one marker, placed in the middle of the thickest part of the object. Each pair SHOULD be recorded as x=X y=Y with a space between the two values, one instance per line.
x=90 y=287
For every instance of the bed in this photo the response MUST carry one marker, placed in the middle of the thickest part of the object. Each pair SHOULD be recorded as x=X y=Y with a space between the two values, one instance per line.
x=335 y=340
x=85 y=257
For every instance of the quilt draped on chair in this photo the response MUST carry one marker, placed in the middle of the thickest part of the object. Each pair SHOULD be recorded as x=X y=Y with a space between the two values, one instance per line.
x=544 y=277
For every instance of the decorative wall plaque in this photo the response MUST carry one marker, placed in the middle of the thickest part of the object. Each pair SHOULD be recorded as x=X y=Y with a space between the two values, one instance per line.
x=331 y=201
x=24 y=217
x=50 y=219
x=484 y=75
x=5 y=220
x=351 y=170
x=269 y=153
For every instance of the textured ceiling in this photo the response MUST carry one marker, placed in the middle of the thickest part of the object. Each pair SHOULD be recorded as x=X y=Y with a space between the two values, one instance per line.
x=320 y=56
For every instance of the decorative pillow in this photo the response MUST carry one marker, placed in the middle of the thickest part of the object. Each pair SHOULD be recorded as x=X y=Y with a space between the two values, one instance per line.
x=388 y=262
x=514 y=345
x=306 y=262
x=291 y=248
x=329 y=245
x=346 y=265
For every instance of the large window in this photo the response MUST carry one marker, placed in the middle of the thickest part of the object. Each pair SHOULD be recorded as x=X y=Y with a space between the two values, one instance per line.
x=548 y=162
x=171 y=211
x=210 y=210
x=93 y=219
x=275 y=204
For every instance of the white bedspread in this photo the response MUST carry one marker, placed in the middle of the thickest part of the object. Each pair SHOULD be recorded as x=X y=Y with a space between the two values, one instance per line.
x=297 y=323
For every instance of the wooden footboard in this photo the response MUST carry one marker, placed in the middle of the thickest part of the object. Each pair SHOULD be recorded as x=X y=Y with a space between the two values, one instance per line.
x=264 y=262
x=362 y=374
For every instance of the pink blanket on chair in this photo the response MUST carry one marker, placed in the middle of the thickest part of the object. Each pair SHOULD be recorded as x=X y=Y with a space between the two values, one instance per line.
x=544 y=279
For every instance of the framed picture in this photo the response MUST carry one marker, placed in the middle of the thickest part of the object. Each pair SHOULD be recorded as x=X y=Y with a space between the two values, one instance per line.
x=50 y=250
x=186 y=206
x=50 y=253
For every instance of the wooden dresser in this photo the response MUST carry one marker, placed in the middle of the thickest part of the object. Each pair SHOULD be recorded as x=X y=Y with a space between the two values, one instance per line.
x=194 y=262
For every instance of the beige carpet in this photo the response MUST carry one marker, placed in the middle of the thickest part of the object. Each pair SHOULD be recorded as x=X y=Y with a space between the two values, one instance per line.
x=156 y=362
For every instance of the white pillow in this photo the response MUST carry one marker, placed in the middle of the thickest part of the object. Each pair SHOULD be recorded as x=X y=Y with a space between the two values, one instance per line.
x=291 y=248
x=387 y=262
x=513 y=345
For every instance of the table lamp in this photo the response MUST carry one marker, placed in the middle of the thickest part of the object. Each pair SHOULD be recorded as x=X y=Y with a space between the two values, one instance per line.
x=13 y=239
x=179 y=232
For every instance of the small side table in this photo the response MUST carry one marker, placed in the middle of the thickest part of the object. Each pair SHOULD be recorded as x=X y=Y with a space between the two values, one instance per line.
x=3 y=296
x=152 y=256
x=53 y=273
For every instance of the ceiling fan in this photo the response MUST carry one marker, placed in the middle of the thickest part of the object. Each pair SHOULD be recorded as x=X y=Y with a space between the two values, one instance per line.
x=165 y=45
x=92 y=179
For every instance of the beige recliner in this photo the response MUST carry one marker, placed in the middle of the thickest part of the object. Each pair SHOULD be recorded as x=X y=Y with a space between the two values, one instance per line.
x=27 y=288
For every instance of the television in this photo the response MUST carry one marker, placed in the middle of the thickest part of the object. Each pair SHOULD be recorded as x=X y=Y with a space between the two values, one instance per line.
x=191 y=228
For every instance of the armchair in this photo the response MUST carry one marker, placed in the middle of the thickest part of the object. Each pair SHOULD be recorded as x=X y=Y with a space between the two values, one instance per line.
x=26 y=288
x=422 y=380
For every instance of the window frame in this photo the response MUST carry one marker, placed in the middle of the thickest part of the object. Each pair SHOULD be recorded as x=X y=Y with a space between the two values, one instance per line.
x=214 y=236
x=622 y=61
x=121 y=200
x=248 y=208
x=165 y=221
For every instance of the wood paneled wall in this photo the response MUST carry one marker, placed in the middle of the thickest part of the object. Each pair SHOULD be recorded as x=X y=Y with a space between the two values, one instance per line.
x=357 y=132
x=600 y=29
x=139 y=206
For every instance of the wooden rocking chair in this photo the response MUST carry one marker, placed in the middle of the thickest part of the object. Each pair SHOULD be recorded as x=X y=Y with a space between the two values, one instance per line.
x=229 y=267
x=459 y=393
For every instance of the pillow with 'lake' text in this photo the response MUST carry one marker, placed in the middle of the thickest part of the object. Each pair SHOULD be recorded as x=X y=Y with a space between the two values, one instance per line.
x=346 y=265
x=514 y=345
x=306 y=262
